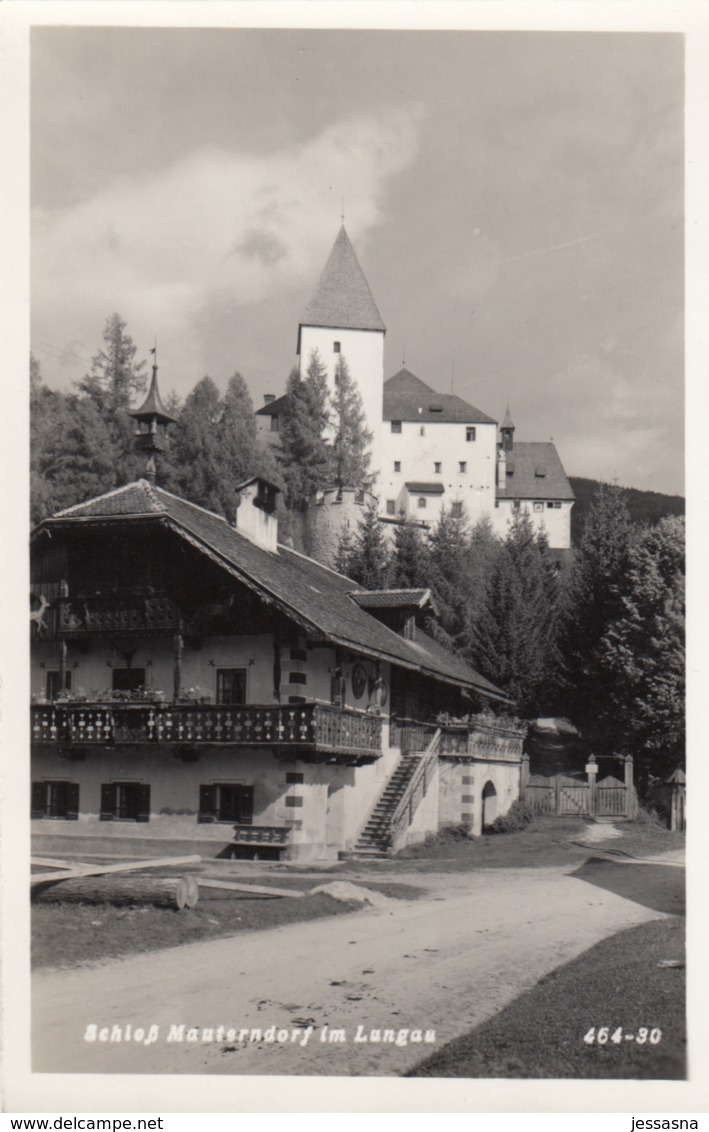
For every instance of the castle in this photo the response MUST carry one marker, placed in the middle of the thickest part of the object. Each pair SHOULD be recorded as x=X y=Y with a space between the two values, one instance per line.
x=429 y=450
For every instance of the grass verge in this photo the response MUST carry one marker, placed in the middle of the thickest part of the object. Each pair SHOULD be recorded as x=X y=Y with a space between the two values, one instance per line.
x=618 y=984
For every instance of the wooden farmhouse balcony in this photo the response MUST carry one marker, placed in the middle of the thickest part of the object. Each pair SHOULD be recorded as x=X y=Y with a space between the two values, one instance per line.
x=308 y=728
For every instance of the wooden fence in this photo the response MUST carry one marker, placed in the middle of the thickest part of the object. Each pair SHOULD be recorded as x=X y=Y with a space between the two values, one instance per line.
x=565 y=795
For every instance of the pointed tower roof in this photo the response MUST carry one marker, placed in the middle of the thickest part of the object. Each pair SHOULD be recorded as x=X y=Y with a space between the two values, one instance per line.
x=507 y=420
x=152 y=405
x=342 y=298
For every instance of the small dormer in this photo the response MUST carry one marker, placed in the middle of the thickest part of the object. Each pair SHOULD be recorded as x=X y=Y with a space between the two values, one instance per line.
x=399 y=610
x=256 y=518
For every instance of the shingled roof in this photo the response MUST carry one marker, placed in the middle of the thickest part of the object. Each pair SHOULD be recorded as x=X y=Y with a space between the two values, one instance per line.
x=407 y=398
x=534 y=471
x=342 y=297
x=315 y=597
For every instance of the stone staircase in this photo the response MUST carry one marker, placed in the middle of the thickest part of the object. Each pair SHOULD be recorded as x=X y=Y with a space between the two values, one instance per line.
x=375 y=838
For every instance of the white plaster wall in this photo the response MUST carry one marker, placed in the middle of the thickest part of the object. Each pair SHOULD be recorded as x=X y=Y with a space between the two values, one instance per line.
x=364 y=352
x=461 y=788
x=174 y=789
x=556 y=521
x=426 y=817
x=442 y=443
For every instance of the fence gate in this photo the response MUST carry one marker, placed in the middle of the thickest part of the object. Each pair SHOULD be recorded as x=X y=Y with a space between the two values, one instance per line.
x=564 y=795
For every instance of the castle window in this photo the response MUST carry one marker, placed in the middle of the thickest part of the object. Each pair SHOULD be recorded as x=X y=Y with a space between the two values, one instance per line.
x=391 y=507
x=397 y=465
x=456 y=510
x=396 y=426
x=335 y=347
x=437 y=468
x=422 y=502
x=462 y=466
x=231 y=685
x=470 y=432
x=55 y=799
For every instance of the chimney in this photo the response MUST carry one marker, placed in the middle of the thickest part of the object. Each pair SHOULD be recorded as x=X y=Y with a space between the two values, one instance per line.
x=268 y=397
x=256 y=517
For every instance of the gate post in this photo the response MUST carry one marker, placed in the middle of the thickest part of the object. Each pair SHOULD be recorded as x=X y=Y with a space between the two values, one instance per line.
x=591 y=769
x=678 y=790
x=523 y=777
x=630 y=800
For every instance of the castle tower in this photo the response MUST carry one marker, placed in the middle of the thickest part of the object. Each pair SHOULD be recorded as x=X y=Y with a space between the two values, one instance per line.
x=342 y=320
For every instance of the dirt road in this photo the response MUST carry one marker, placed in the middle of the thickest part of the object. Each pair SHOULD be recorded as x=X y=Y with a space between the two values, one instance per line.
x=315 y=993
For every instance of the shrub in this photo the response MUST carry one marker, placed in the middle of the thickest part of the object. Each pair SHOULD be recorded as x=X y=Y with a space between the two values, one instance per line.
x=517 y=818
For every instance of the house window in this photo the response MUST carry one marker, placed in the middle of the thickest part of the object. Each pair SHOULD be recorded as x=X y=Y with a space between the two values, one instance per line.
x=127 y=679
x=437 y=468
x=396 y=426
x=294 y=777
x=228 y=802
x=335 y=347
x=457 y=510
x=422 y=502
x=397 y=465
x=462 y=466
x=391 y=507
x=538 y=506
x=125 y=801
x=294 y=803
x=274 y=423
x=470 y=432
x=558 y=504
x=54 y=684
x=422 y=430
x=231 y=685
x=55 y=799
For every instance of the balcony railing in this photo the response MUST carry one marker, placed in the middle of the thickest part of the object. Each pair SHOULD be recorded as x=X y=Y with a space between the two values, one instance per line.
x=318 y=728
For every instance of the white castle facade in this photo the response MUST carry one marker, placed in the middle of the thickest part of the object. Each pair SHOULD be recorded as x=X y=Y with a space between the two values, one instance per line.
x=429 y=450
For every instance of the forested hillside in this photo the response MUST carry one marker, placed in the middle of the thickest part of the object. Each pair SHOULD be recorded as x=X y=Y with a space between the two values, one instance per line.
x=644 y=507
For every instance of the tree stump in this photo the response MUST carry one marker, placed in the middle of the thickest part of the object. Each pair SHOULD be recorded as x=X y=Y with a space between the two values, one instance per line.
x=161 y=892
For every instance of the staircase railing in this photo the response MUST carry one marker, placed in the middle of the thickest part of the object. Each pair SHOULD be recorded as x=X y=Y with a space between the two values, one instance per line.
x=416 y=789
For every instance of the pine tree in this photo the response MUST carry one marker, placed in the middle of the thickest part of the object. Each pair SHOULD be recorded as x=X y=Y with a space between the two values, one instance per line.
x=410 y=567
x=350 y=455
x=514 y=636
x=593 y=599
x=197 y=455
x=304 y=454
x=643 y=653
x=369 y=557
x=114 y=379
x=70 y=449
x=448 y=574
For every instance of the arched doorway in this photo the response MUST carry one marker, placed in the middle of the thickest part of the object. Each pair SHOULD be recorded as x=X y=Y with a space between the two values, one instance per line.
x=489 y=804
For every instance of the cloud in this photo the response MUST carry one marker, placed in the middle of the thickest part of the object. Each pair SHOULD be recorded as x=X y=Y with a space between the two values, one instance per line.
x=214 y=227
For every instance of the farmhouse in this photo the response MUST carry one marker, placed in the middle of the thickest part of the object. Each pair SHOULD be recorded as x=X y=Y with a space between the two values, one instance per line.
x=429 y=450
x=197 y=680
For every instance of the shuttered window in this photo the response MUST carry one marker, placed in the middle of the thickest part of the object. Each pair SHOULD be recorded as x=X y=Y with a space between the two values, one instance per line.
x=227 y=802
x=125 y=801
x=231 y=685
x=55 y=799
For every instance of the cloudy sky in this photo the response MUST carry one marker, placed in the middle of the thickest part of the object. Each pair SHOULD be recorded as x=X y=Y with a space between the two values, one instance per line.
x=515 y=199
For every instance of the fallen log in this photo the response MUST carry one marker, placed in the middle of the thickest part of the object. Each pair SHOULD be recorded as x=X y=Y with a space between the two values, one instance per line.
x=250 y=889
x=161 y=892
x=100 y=870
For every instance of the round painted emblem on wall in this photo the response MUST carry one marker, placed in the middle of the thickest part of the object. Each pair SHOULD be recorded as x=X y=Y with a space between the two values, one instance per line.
x=359 y=681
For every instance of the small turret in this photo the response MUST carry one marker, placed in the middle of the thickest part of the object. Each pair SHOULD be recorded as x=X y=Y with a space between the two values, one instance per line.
x=507 y=432
x=153 y=421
